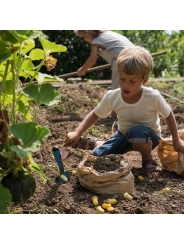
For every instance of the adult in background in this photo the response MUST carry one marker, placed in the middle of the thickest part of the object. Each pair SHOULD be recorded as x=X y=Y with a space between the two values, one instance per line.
x=108 y=45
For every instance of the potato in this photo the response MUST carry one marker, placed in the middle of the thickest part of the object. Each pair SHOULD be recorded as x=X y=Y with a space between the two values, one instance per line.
x=111 y=201
x=166 y=190
x=127 y=196
x=94 y=200
x=110 y=209
x=100 y=210
x=106 y=205
x=140 y=178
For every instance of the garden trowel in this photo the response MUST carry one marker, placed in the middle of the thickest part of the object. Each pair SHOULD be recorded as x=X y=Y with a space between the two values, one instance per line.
x=64 y=176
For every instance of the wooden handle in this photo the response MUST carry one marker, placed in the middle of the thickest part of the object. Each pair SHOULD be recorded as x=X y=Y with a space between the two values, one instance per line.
x=89 y=70
x=107 y=66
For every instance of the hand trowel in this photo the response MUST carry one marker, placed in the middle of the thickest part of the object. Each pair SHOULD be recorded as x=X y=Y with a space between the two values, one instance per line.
x=64 y=176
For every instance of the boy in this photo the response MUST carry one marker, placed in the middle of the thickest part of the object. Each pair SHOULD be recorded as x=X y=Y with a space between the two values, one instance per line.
x=137 y=108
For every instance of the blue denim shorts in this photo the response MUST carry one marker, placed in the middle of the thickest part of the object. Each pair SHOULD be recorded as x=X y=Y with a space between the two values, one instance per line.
x=120 y=144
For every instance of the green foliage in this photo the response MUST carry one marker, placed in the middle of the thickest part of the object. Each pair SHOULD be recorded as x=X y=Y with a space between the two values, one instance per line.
x=24 y=136
x=179 y=88
x=5 y=198
x=42 y=94
x=30 y=142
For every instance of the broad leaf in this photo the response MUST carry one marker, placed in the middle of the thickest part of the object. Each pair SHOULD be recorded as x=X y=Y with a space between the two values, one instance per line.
x=51 y=47
x=4 y=52
x=46 y=78
x=28 y=45
x=42 y=94
x=8 y=37
x=36 y=54
x=27 y=65
x=7 y=99
x=23 y=109
x=20 y=36
x=5 y=198
x=31 y=135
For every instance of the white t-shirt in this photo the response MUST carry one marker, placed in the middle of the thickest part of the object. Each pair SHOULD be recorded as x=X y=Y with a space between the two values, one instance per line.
x=145 y=112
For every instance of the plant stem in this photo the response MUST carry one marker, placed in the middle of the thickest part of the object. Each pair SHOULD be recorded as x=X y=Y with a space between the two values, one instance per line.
x=15 y=73
x=3 y=84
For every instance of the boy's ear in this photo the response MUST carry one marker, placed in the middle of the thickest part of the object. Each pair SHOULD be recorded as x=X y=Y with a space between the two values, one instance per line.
x=145 y=80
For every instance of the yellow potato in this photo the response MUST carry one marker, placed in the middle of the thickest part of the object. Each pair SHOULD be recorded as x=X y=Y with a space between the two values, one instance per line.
x=74 y=172
x=94 y=200
x=111 y=201
x=140 y=178
x=127 y=196
x=110 y=209
x=100 y=210
x=166 y=189
x=106 y=205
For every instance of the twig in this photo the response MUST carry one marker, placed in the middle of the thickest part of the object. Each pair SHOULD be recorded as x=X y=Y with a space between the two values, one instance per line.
x=170 y=96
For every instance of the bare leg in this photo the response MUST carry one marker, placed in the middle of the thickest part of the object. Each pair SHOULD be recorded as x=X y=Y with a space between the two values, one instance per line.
x=99 y=142
x=145 y=150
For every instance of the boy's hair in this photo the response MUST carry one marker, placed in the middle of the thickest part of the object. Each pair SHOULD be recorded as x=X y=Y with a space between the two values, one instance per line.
x=83 y=33
x=135 y=61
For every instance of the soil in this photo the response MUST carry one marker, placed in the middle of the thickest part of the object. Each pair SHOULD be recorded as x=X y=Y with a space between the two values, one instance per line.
x=53 y=197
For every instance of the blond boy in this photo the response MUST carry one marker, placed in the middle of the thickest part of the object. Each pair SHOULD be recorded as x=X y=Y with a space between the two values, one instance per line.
x=137 y=107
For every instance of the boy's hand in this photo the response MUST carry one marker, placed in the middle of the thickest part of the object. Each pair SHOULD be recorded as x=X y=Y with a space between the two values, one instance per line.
x=71 y=139
x=80 y=72
x=179 y=146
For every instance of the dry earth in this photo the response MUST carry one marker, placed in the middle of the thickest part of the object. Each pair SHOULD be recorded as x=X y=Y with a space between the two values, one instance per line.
x=71 y=197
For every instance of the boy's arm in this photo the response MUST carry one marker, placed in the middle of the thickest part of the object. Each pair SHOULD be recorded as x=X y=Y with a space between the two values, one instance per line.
x=177 y=142
x=73 y=137
x=90 y=61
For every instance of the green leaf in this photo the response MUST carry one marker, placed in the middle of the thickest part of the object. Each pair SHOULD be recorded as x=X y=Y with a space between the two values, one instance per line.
x=35 y=166
x=8 y=37
x=5 y=198
x=22 y=108
x=34 y=34
x=27 y=65
x=36 y=54
x=51 y=47
x=45 y=77
x=42 y=94
x=21 y=35
x=8 y=88
x=28 y=45
x=4 y=52
x=29 y=73
x=31 y=135
x=7 y=99
x=2 y=68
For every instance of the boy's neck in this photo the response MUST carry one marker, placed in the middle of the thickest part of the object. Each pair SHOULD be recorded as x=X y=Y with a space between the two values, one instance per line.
x=134 y=99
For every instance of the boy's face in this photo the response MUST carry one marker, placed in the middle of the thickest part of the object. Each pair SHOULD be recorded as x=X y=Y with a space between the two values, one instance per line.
x=131 y=85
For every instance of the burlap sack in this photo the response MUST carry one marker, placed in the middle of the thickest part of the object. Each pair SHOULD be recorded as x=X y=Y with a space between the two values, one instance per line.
x=171 y=160
x=111 y=182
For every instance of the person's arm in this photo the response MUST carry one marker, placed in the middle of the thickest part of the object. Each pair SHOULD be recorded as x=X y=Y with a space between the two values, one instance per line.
x=177 y=142
x=73 y=137
x=90 y=61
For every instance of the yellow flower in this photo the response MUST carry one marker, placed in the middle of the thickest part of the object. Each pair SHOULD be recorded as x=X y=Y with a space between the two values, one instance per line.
x=50 y=62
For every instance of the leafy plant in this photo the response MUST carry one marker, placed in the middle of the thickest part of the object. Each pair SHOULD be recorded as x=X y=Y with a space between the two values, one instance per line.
x=20 y=134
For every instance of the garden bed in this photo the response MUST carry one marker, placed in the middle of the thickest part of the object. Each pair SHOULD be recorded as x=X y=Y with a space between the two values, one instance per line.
x=71 y=197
